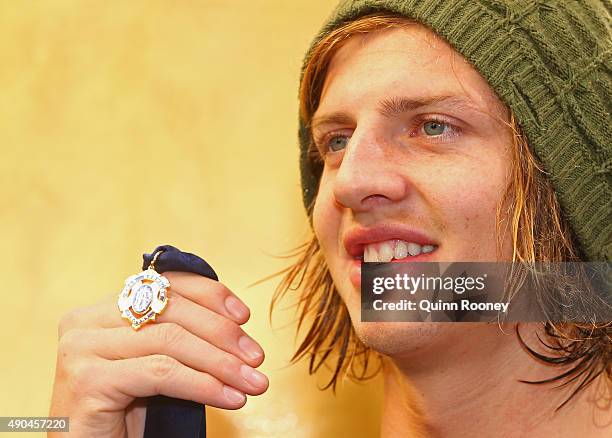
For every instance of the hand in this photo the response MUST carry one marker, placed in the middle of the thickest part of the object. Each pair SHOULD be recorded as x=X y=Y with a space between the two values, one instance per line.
x=195 y=350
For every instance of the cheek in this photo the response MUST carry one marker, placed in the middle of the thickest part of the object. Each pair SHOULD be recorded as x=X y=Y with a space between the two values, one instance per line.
x=324 y=217
x=469 y=208
x=475 y=211
x=318 y=221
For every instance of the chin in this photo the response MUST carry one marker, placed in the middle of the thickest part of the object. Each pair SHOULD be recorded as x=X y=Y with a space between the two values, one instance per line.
x=420 y=344
x=404 y=339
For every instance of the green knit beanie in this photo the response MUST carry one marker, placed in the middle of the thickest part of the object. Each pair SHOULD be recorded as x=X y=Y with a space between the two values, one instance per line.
x=550 y=62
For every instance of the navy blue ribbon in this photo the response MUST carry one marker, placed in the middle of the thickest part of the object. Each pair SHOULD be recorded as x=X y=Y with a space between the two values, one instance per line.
x=166 y=416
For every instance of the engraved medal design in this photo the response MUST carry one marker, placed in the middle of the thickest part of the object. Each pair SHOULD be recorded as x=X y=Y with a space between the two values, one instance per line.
x=143 y=297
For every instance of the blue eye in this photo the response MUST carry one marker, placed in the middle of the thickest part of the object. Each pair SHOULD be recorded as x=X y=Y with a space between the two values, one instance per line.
x=433 y=127
x=337 y=142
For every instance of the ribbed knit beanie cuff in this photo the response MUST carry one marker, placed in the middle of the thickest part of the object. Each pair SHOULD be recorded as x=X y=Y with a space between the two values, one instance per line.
x=550 y=62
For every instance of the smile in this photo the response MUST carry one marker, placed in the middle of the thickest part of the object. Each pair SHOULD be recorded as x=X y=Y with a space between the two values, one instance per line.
x=389 y=251
x=393 y=249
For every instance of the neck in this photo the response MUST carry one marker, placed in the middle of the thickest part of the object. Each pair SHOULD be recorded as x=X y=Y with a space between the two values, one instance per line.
x=465 y=393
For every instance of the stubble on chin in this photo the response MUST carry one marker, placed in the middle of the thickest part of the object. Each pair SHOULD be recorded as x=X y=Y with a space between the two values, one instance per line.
x=419 y=345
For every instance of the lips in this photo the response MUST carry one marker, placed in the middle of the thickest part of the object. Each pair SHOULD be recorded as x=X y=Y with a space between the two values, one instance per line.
x=356 y=238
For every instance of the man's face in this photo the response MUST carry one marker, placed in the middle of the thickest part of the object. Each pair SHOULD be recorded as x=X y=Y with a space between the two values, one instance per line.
x=416 y=150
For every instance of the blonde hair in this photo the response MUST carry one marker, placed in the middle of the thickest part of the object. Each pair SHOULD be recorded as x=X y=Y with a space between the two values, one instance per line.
x=538 y=231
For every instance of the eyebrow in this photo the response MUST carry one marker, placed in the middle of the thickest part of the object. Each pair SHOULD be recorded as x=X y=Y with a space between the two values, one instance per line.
x=393 y=106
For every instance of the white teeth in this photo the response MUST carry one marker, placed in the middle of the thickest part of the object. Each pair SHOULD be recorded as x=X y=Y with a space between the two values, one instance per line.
x=394 y=249
x=427 y=248
x=414 y=249
x=401 y=250
x=369 y=254
x=385 y=252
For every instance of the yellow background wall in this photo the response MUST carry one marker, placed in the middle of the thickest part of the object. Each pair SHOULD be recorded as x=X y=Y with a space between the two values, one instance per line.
x=128 y=124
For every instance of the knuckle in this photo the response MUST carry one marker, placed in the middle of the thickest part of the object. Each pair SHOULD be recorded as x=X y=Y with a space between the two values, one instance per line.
x=68 y=321
x=73 y=361
x=175 y=298
x=229 y=365
x=64 y=347
x=206 y=384
x=80 y=375
x=224 y=328
x=169 y=333
x=161 y=366
x=69 y=342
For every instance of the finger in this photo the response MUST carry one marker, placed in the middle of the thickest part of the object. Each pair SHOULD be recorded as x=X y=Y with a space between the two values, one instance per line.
x=104 y=314
x=202 y=290
x=214 y=328
x=202 y=322
x=159 y=374
x=172 y=340
x=210 y=294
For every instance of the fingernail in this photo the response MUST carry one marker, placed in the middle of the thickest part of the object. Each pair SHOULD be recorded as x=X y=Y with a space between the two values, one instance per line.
x=250 y=347
x=253 y=376
x=233 y=395
x=235 y=307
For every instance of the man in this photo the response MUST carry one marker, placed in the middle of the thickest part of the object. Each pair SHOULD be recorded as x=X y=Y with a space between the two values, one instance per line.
x=405 y=140
x=409 y=151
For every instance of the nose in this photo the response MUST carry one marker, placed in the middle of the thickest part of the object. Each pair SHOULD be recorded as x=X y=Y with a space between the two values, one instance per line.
x=368 y=175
